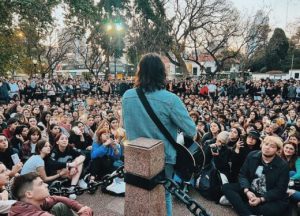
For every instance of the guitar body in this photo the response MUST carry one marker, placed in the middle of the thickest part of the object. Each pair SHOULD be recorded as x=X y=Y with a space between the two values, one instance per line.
x=188 y=160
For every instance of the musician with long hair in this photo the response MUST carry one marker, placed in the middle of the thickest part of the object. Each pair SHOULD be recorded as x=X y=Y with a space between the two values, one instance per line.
x=151 y=79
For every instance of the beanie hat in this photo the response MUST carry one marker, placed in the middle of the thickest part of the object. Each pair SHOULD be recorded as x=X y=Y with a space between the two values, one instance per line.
x=254 y=134
x=224 y=136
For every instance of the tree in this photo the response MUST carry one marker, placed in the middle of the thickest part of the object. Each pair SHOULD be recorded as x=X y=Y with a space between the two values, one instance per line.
x=192 y=16
x=149 y=30
x=92 y=55
x=233 y=38
x=11 y=51
x=56 y=49
x=92 y=22
x=184 y=27
x=17 y=46
x=276 y=50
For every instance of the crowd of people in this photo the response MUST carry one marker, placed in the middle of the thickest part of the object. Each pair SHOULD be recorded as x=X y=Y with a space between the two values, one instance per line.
x=73 y=129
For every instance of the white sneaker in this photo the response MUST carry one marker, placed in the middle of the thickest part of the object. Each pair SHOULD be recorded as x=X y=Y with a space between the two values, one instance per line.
x=73 y=195
x=82 y=184
x=224 y=201
x=117 y=187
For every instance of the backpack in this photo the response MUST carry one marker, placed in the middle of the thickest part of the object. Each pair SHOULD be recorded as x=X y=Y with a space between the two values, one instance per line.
x=209 y=182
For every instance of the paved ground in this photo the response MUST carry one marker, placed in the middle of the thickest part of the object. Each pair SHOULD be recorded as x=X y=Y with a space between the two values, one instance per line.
x=107 y=205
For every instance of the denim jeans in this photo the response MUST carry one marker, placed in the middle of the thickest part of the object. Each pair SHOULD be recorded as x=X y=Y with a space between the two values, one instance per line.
x=169 y=171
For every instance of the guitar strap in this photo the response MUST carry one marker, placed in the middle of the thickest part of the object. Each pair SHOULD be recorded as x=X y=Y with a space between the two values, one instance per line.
x=154 y=117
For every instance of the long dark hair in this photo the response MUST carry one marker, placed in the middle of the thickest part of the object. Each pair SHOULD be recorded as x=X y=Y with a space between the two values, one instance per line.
x=151 y=74
x=43 y=117
x=293 y=159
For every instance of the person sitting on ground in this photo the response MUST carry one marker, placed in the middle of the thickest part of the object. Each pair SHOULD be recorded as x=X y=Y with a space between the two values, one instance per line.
x=5 y=202
x=53 y=132
x=289 y=154
x=34 y=200
x=219 y=152
x=263 y=182
x=64 y=153
x=36 y=162
x=12 y=124
x=19 y=138
x=211 y=135
x=105 y=151
x=28 y=148
x=5 y=157
x=240 y=151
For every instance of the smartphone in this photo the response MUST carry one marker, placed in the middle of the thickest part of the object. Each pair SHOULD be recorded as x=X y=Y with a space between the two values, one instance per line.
x=15 y=158
x=243 y=137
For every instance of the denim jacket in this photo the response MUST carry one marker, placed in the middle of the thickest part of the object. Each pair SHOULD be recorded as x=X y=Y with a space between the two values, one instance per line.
x=168 y=108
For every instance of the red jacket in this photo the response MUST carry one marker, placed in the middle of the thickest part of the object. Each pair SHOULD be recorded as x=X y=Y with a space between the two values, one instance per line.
x=203 y=91
x=6 y=132
x=26 y=209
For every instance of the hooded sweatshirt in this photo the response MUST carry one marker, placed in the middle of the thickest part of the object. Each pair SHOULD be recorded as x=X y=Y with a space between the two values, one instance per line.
x=27 y=209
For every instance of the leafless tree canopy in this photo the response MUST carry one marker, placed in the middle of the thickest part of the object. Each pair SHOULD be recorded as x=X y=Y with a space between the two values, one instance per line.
x=213 y=27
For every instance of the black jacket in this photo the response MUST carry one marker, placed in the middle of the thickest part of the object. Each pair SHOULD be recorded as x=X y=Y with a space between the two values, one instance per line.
x=237 y=160
x=221 y=161
x=277 y=176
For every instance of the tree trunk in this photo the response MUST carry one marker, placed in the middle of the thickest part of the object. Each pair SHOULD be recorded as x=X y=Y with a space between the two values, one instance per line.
x=182 y=63
x=107 y=69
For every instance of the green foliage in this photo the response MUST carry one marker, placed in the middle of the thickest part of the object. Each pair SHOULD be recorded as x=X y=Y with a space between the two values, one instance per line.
x=11 y=52
x=276 y=50
x=258 y=61
x=292 y=59
x=150 y=31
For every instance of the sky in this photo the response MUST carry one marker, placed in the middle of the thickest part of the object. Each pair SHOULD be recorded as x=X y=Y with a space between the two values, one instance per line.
x=281 y=12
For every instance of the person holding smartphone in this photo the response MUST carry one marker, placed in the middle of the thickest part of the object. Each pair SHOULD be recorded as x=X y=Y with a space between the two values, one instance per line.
x=240 y=151
x=5 y=201
x=6 y=153
x=219 y=153
x=105 y=151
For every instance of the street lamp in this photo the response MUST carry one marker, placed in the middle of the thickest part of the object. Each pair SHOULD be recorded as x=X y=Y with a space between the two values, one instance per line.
x=114 y=28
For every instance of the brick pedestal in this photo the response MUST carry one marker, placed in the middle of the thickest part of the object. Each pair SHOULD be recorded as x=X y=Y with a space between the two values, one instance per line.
x=145 y=158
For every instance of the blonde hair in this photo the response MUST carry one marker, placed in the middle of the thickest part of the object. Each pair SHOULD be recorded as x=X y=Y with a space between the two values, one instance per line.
x=274 y=139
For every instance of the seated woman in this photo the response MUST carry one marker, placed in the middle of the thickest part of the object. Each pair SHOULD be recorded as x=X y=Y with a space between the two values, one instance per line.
x=234 y=136
x=43 y=124
x=28 y=148
x=219 y=153
x=117 y=132
x=289 y=154
x=105 y=151
x=240 y=151
x=78 y=138
x=210 y=136
x=36 y=162
x=64 y=153
x=81 y=140
x=5 y=202
x=19 y=138
x=53 y=131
